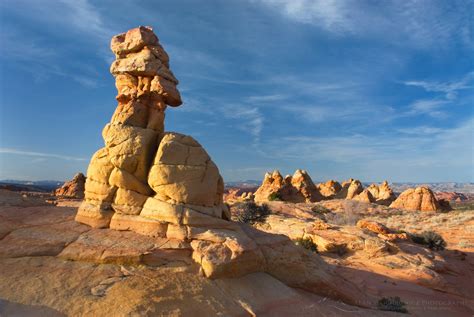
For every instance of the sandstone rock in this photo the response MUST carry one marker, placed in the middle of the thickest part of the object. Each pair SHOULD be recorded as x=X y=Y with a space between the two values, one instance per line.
x=354 y=189
x=373 y=226
x=329 y=189
x=183 y=172
x=162 y=185
x=420 y=198
x=73 y=188
x=365 y=196
x=451 y=196
x=382 y=194
x=296 y=188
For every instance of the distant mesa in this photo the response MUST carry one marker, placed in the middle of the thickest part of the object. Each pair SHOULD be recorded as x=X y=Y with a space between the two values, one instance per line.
x=73 y=188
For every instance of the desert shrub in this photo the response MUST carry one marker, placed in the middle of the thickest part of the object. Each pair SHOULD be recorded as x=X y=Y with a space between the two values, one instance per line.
x=274 y=197
x=318 y=209
x=392 y=304
x=431 y=239
x=250 y=212
x=307 y=243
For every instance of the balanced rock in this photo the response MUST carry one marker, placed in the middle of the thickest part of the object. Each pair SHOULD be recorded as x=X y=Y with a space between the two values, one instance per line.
x=296 y=188
x=73 y=188
x=155 y=183
x=420 y=198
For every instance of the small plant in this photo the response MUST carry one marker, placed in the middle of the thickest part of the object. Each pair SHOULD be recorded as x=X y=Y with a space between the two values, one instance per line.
x=392 y=304
x=250 y=212
x=307 y=243
x=274 y=197
x=431 y=239
x=318 y=209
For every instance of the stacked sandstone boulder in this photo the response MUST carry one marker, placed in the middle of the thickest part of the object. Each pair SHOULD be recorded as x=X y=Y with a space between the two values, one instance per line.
x=156 y=183
x=73 y=188
x=297 y=188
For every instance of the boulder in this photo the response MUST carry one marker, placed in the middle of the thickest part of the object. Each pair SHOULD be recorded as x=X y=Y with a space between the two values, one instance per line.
x=420 y=198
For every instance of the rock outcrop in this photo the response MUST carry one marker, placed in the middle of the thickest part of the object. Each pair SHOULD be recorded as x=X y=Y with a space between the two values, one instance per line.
x=166 y=187
x=296 y=188
x=156 y=183
x=329 y=189
x=365 y=196
x=383 y=194
x=420 y=198
x=73 y=188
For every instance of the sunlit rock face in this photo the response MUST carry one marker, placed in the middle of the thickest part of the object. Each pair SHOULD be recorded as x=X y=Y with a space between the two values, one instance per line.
x=420 y=198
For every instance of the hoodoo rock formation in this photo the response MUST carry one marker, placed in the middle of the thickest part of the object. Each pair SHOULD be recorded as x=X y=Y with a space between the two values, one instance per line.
x=382 y=194
x=165 y=186
x=329 y=189
x=296 y=188
x=420 y=198
x=73 y=188
x=156 y=183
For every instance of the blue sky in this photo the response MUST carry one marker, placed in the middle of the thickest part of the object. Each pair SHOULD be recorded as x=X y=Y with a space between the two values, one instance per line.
x=366 y=89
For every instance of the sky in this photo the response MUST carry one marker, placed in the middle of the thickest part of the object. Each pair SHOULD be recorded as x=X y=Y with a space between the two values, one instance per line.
x=372 y=90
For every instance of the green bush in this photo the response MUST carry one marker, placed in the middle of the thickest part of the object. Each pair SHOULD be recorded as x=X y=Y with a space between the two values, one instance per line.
x=431 y=239
x=250 y=212
x=307 y=243
x=392 y=304
x=274 y=197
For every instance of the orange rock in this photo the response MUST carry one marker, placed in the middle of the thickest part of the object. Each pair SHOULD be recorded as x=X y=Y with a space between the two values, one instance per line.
x=73 y=188
x=329 y=189
x=373 y=226
x=296 y=188
x=383 y=194
x=365 y=196
x=420 y=198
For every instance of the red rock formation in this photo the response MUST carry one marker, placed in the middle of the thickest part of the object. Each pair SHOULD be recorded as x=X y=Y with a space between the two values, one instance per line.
x=383 y=194
x=73 y=188
x=420 y=198
x=296 y=188
x=329 y=189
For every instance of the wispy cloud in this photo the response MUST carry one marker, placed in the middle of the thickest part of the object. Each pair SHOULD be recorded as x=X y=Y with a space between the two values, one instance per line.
x=86 y=18
x=426 y=106
x=250 y=119
x=411 y=22
x=450 y=89
x=384 y=155
x=39 y=154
